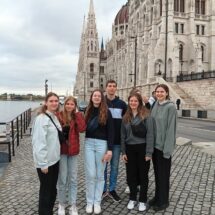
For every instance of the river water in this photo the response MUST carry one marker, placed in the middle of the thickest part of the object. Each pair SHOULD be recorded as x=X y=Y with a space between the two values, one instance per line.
x=10 y=109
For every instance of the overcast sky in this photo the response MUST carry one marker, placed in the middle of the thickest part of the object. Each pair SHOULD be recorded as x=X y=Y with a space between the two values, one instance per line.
x=39 y=39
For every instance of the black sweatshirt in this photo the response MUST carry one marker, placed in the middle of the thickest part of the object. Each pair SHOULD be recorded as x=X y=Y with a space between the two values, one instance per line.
x=117 y=108
x=102 y=132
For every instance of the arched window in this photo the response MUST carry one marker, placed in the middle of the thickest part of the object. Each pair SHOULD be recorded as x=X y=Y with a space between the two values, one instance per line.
x=91 y=67
x=161 y=2
x=91 y=45
x=200 y=6
x=176 y=5
x=203 y=7
x=181 y=52
x=179 y=5
x=151 y=15
x=202 y=52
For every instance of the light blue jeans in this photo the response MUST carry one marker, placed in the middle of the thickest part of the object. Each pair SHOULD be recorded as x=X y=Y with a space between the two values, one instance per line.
x=67 y=179
x=114 y=166
x=95 y=150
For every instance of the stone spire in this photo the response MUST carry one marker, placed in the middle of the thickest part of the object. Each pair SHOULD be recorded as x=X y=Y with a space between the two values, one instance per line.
x=91 y=11
x=102 y=44
x=84 y=27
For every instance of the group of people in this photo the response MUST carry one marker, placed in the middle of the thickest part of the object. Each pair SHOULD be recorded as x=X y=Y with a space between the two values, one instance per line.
x=141 y=131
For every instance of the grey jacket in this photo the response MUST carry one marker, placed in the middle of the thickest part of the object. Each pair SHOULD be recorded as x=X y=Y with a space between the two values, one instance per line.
x=165 y=116
x=127 y=138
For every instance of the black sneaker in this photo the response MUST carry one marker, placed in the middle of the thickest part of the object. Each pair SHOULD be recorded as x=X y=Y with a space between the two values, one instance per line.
x=161 y=207
x=152 y=202
x=113 y=195
x=104 y=194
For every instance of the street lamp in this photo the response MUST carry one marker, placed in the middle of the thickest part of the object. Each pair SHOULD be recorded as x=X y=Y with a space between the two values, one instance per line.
x=135 y=60
x=84 y=87
x=46 y=87
x=166 y=40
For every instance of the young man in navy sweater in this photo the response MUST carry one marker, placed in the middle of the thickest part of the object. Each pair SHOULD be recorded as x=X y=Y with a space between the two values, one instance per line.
x=117 y=108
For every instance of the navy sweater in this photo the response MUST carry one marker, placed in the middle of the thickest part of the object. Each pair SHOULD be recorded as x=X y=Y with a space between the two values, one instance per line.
x=117 y=108
x=102 y=132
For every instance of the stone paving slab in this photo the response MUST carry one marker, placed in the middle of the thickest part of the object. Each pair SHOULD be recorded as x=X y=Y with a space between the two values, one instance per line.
x=192 y=185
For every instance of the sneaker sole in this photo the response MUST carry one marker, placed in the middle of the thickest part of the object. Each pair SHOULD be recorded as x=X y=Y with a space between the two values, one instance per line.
x=113 y=198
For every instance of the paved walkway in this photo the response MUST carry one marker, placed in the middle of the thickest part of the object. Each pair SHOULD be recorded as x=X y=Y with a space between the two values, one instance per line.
x=192 y=185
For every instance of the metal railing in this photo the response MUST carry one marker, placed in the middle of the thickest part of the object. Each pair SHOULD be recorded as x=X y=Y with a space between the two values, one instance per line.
x=196 y=76
x=15 y=129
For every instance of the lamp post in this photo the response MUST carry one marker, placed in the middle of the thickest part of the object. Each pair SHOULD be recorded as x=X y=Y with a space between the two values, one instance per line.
x=166 y=40
x=84 y=87
x=46 y=87
x=135 y=59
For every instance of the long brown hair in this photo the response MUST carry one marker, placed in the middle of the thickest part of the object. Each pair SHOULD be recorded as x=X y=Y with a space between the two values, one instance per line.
x=142 y=111
x=65 y=115
x=43 y=109
x=103 y=109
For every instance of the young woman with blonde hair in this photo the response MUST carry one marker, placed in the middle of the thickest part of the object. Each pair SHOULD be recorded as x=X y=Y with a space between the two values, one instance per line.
x=72 y=123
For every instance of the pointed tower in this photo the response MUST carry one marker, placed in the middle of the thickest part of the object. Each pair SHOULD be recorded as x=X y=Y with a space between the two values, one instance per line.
x=87 y=78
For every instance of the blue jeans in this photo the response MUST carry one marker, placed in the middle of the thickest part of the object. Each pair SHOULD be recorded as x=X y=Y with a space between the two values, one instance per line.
x=67 y=179
x=114 y=166
x=94 y=152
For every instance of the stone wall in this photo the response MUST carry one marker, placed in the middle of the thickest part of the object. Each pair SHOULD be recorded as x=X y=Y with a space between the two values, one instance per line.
x=203 y=91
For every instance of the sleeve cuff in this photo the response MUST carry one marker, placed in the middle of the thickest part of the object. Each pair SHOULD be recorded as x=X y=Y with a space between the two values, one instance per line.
x=166 y=155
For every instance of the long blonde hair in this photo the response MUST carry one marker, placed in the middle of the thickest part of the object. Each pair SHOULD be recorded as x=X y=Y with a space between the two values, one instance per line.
x=142 y=111
x=66 y=117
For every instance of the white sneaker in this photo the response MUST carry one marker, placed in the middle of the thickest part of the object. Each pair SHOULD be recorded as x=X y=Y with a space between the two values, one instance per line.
x=97 y=209
x=142 y=206
x=127 y=190
x=61 y=209
x=73 y=210
x=89 y=209
x=131 y=204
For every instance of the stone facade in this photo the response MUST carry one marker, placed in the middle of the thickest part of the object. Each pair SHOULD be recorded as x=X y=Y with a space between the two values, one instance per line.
x=154 y=39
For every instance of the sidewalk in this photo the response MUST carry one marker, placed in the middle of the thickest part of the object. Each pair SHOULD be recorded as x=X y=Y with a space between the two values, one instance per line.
x=192 y=185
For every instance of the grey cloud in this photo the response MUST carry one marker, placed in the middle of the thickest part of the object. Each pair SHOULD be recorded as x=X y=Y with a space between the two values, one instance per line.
x=39 y=39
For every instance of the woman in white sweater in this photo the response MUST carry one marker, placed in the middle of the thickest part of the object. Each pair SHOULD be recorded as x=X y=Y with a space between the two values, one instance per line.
x=46 y=152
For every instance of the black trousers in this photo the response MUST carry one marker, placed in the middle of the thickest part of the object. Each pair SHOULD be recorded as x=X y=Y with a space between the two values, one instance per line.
x=137 y=170
x=48 y=190
x=162 y=167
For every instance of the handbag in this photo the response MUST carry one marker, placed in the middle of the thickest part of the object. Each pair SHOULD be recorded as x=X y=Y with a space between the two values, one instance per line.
x=61 y=136
x=139 y=130
x=93 y=124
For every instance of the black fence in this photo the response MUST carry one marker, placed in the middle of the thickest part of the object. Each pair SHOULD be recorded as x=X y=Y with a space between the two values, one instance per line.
x=196 y=76
x=15 y=130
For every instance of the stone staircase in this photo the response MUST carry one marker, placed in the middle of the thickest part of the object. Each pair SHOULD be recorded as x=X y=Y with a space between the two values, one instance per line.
x=187 y=102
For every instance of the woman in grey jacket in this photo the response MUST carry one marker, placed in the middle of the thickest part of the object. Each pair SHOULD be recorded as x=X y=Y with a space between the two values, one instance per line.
x=165 y=115
x=46 y=153
x=137 y=143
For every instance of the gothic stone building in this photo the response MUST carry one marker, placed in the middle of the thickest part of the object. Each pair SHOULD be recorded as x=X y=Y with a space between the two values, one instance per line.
x=152 y=41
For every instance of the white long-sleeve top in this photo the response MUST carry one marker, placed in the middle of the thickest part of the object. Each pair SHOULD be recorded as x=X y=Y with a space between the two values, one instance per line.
x=45 y=141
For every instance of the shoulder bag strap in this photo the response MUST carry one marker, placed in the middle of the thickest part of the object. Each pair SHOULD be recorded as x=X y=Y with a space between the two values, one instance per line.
x=52 y=120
